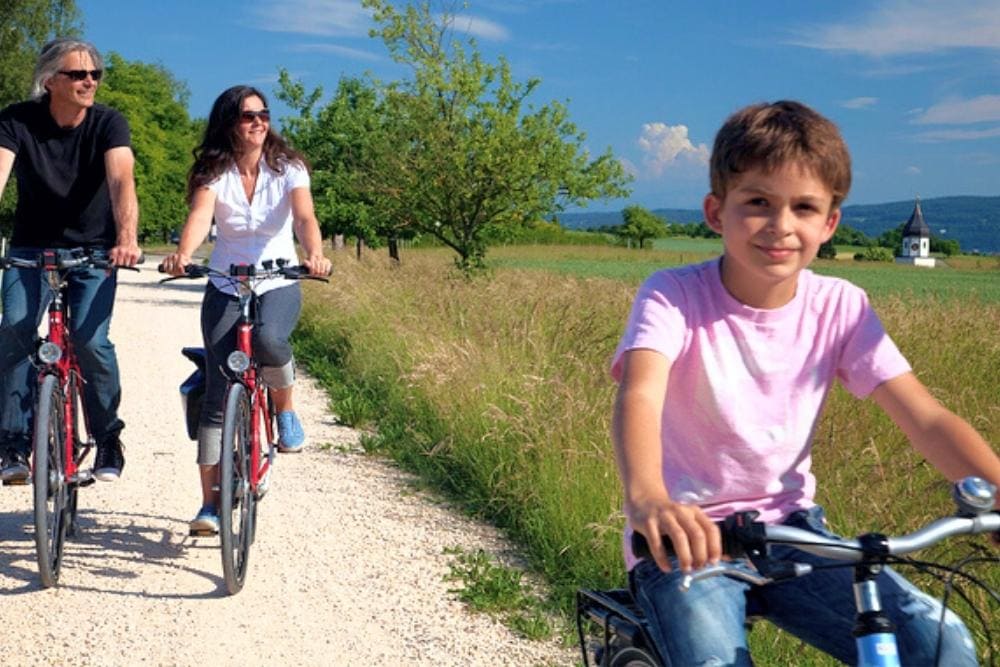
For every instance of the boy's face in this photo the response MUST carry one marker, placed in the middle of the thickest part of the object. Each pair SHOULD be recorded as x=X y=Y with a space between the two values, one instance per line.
x=772 y=225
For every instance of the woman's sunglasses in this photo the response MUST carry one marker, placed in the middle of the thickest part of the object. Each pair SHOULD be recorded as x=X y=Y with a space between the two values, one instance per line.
x=81 y=74
x=248 y=116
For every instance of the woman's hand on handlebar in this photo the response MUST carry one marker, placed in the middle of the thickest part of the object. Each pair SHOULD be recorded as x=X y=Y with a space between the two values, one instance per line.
x=693 y=537
x=174 y=264
x=318 y=265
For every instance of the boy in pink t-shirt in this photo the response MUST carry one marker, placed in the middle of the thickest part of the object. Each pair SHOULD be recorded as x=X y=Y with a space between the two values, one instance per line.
x=723 y=371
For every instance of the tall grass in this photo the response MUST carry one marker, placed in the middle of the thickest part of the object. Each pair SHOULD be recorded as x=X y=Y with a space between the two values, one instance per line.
x=496 y=391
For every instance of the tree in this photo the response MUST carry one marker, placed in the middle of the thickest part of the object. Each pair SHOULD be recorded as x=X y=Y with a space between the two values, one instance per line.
x=462 y=156
x=337 y=140
x=25 y=27
x=827 y=250
x=891 y=238
x=641 y=225
x=163 y=137
x=946 y=247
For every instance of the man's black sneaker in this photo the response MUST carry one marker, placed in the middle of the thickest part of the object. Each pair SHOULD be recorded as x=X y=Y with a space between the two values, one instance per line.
x=14 y=467
x=109 y=460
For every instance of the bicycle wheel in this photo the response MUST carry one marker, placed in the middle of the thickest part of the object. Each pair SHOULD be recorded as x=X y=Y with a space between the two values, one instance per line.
x=53 y=495
x=632 y=657
x=236 y=501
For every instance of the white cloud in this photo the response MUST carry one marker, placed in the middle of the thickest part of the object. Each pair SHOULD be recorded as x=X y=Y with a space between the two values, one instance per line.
x=935 y=136
x=859 y=103
x=336 y=18
x=910 y=26
x=913 y=171
x=666 y=145
x=955 y=111
x=354 y=54
x=480 y=28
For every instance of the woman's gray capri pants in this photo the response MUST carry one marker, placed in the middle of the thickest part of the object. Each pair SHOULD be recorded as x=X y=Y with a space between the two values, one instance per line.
x=277 y=314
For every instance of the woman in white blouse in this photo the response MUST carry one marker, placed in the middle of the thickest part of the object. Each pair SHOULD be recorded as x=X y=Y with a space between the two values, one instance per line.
x=256 y=188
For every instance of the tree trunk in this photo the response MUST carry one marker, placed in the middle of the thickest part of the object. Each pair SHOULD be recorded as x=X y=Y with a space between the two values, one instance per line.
x=359 y=247
x=338 y=241
x=393 y=244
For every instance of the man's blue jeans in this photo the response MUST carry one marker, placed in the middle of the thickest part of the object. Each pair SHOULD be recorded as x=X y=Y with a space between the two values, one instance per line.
x=705 y=625
x=26 y=295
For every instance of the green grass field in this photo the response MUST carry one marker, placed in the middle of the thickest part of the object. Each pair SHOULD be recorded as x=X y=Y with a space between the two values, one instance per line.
x=962 y=278
x=496 y=392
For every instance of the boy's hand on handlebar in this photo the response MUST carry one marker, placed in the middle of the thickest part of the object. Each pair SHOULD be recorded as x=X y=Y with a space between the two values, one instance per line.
x=693 y=537
x=318 y=265
x=174 y=264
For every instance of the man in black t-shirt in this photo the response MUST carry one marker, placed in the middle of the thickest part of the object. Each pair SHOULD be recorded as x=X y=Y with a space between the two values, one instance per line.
x=75 y=189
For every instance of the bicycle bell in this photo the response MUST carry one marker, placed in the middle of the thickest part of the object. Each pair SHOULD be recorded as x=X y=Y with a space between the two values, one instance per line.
x=973 y=495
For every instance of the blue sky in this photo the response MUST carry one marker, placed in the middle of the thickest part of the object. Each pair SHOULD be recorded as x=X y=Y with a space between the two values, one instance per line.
x=913 y=85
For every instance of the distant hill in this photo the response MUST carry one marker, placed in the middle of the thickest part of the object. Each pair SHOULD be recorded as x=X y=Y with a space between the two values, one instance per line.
x=973 y=221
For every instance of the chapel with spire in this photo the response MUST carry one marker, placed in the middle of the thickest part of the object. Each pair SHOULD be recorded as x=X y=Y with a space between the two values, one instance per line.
x=916 y=248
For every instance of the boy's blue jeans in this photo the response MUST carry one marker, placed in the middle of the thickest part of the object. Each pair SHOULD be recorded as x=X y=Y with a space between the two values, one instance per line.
x=705 y=626
x=26 y=295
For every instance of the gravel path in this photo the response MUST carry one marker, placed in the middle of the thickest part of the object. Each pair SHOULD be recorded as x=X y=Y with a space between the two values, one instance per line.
x=347 y=568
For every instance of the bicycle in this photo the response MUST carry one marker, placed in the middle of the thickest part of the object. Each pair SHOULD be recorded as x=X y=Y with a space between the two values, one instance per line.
x=624 y=637
x=248 y=423
x=62 y=438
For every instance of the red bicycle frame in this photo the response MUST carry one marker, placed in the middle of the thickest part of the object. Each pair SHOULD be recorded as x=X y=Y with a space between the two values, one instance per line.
x=259 y=404
x=65 y=368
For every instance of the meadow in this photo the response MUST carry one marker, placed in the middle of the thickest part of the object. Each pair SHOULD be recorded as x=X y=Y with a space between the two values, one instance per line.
x=496 y=392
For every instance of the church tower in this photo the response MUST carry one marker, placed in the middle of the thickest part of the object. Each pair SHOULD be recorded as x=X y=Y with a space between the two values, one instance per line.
x=916 y=240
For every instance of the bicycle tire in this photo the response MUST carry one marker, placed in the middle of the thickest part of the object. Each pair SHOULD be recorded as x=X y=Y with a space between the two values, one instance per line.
x=52 y=492
x=236 y=501
x=632 y=657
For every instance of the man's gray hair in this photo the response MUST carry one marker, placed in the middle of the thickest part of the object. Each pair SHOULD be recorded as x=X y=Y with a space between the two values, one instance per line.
x=50 y=60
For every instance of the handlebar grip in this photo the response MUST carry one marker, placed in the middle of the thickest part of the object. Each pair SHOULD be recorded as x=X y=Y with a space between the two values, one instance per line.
x=740 y=533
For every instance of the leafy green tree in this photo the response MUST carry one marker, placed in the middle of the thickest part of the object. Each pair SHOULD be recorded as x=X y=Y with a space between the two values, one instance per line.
x=846 y=235
x=163 y=137
x=25 y=27
x=827 y=250
x=462 y=155
x=946 y=247
x=891 y=238
x=641 y=225
x=338 y=140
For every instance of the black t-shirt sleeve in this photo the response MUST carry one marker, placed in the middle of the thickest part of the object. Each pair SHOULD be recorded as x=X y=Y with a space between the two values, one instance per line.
x=115 y=132
x=8 y=131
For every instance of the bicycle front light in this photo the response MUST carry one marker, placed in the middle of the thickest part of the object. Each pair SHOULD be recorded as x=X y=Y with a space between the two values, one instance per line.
x=49 y=353
x=238 y=361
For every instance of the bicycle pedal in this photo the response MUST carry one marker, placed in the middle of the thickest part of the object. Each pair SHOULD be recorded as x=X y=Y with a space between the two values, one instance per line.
x=16 y=482
x=83 y=478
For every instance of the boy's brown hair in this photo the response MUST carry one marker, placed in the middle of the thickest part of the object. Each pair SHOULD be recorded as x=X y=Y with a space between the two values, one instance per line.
x=770 y=135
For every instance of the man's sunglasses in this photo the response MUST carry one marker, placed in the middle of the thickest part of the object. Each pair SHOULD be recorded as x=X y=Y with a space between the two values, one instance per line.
x=248 y=116
x=81 y=74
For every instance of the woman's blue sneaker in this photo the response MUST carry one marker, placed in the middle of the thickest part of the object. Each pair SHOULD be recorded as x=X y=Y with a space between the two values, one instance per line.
x=291 y=437
x=206 y=523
